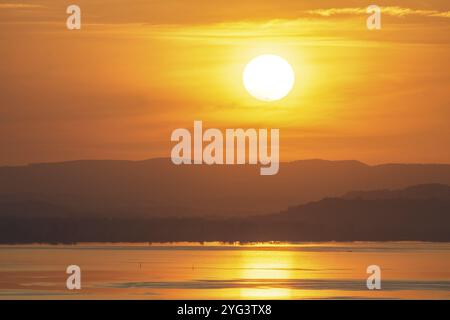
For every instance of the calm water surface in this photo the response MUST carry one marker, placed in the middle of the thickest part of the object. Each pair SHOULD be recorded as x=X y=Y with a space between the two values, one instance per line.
x=218 y=271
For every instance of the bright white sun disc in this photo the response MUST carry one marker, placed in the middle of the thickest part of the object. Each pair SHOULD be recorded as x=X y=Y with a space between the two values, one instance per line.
x=268 y=78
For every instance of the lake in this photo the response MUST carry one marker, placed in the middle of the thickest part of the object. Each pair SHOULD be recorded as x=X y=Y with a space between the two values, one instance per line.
x=409 y=270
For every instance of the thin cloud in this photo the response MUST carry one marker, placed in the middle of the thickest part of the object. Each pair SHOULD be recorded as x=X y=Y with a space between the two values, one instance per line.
x=392 y=11
x=19 y=6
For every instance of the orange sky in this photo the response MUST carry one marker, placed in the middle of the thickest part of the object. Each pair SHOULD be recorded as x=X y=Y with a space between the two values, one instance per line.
x=140 y=69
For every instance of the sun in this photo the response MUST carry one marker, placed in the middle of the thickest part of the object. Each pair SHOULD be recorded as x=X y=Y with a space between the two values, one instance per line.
x=268 y=78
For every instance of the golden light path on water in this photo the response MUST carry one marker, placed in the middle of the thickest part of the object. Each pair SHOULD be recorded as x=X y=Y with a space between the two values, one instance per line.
x=226 y=271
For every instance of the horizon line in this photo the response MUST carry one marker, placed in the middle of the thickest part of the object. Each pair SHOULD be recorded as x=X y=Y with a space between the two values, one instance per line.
x=169 y=159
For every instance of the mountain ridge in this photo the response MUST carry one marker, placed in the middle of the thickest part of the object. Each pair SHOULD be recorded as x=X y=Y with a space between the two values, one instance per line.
x=418 y=218
x=156 y=187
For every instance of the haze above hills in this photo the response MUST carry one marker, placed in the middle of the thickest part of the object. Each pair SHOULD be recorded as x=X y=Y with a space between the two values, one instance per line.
x=417 y=213
x=157 y=188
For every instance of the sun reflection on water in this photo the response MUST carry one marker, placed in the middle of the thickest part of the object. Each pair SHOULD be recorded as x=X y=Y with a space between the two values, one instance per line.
x=263 y=265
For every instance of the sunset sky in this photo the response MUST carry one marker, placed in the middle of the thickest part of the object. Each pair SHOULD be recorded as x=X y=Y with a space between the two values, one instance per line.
x=137 y=70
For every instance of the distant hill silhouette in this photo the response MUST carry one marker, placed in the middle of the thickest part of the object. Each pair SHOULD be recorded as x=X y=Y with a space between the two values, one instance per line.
x=423 y=191
x=417 y=213
x=157 y=188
